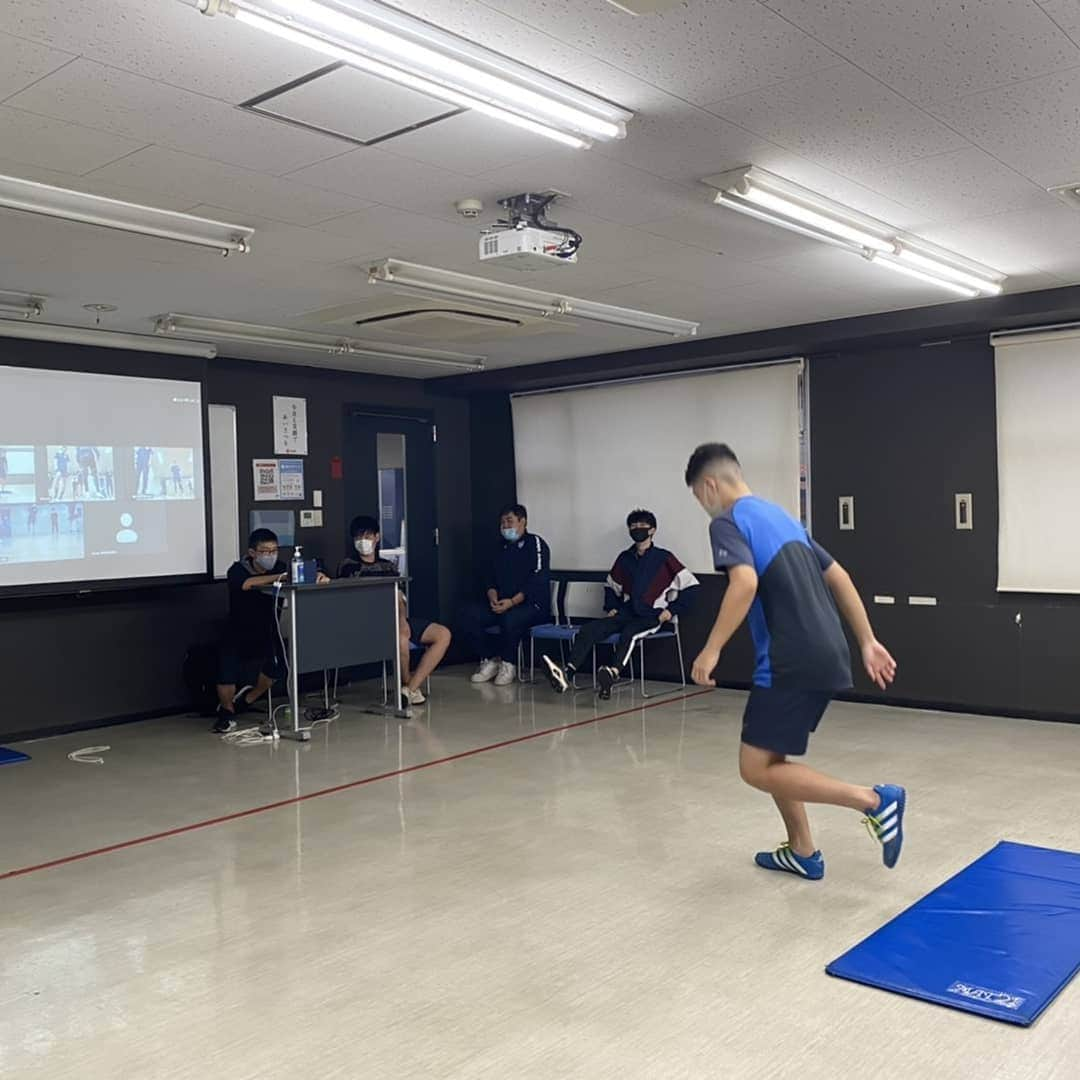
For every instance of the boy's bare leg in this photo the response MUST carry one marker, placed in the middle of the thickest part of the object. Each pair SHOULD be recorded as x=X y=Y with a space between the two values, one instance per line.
x=785 y=780
x=798 y=826
x=437 y=639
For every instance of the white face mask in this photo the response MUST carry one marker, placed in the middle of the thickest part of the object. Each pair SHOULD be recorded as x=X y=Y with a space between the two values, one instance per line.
x=365 y=546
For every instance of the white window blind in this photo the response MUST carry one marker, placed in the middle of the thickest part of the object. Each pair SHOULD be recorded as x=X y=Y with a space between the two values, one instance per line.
x=1038 y=441
x=586 y=458
x=224 y=488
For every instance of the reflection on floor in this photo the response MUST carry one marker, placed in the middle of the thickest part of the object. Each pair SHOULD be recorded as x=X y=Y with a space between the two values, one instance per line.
x=577 y=904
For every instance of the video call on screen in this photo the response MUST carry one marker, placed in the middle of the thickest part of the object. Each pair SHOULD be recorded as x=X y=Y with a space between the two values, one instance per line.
x=101 y=477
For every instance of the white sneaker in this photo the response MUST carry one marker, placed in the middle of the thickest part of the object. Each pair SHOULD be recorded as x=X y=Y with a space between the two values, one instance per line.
x=507 y=674
x=415 y=697
x=488 y=670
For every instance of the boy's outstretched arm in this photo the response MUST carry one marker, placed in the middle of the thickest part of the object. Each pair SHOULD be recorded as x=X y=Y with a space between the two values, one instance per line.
x=879 y=664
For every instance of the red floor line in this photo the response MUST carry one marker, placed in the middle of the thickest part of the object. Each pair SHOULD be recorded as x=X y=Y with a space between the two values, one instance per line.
x=79 y=856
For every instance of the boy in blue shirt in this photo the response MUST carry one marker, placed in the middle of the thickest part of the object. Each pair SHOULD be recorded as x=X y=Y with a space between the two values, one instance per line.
x=790 y=589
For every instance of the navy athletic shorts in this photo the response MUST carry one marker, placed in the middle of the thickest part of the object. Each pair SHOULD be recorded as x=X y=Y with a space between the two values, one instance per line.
x=781 y=720
x=417 y=628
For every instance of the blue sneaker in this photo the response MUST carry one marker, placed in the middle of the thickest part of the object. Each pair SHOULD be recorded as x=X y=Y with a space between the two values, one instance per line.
x=886 y=822
x=784 y=859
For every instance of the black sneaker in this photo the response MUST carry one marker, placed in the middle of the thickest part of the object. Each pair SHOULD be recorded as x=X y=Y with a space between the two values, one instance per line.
x=240 y=702
x=606 y=678
x=226 y=722
x=556 y=676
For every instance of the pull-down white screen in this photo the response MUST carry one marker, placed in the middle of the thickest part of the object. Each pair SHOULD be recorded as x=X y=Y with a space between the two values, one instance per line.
x=586 y=458
x=101 y=478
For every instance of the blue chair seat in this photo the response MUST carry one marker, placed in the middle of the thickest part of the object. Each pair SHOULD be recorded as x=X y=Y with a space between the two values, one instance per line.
x=554 y=632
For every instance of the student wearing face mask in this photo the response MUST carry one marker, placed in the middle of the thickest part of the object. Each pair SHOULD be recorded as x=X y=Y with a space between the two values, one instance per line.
x=434 y=637
x=250 y=652
x=518 y=598
x=646 y=589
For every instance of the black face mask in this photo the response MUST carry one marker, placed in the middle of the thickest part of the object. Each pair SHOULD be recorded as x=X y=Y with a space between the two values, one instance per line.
x=639 y=536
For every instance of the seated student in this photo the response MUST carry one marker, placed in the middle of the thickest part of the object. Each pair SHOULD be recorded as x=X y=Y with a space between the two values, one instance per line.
x=519 y=597
x=435 y=637
x=647 y=587
x=251 y=652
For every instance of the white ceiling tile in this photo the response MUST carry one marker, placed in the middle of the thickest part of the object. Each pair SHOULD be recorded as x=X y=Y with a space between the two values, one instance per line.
x=378 y=176
x=355 y=104
x=165 y=40
x=23 y=62
x=702 y=50
x=682 y=142
x=598 y=186
x=1033 y=126
x=1015 y=240
x=1065 y=14
x=240 y=191
x=665 y=297
x=526 y=40
x=958 y=184
x=469 y=144
x=384 y=232
x=92 y=185
x=279 y=245
x=842 y=119
x=55 y=144
x=715 y=229
x=933 y=50
x=111 y=100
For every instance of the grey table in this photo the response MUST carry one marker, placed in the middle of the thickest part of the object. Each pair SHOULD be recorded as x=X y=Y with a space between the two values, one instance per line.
x=340 y=624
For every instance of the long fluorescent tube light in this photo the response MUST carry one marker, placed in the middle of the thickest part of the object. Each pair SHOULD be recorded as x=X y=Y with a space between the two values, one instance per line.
x=55 y=202
x=30 y=308
x=393 y=45
x=429 y=281
x=778 y=201
x=285 y=338
x=104 y=339
x=922 y=275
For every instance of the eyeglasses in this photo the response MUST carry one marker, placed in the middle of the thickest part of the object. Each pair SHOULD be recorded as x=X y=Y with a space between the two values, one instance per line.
x=266 y=551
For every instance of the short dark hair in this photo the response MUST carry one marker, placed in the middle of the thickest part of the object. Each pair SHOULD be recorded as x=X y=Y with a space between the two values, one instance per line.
x=516 y=509
x=704 y=457
x=646 y=517
x=364 y=523
x=261 y=536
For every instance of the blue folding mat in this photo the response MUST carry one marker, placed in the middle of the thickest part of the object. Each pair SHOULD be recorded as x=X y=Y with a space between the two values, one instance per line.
x=1001 y=938
x=12 y=757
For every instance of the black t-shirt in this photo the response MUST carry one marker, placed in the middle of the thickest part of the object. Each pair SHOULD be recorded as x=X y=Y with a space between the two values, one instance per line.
x=380 y=567
x=252 y=614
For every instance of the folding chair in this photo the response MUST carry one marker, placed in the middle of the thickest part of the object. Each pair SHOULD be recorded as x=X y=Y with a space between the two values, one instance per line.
x=561 y=630
x=670 y=630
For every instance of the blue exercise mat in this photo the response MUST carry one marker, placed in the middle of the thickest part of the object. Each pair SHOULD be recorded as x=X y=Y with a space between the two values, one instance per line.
x=1001 y=938
x=11 y=757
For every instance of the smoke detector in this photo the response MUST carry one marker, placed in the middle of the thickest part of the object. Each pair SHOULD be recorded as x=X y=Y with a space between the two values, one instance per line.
x=470 y=209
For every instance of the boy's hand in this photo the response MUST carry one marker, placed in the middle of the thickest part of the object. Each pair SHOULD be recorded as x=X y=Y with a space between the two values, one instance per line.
x=879 y=664
x=704 y=666
x=665 y=616
x=501 y=606
x=321 y=579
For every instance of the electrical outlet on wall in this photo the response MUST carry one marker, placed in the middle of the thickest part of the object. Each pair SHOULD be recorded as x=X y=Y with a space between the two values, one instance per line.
x=965 y=517
x=847 y=513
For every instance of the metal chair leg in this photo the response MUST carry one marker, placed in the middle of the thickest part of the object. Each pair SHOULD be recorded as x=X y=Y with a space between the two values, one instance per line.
x=682 y=663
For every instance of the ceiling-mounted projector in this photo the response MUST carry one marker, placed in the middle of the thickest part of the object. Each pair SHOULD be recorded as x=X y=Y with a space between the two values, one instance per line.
x=525 y=239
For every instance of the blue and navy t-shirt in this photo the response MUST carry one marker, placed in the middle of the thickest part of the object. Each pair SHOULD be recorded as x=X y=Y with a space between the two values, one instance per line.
x=798 y=638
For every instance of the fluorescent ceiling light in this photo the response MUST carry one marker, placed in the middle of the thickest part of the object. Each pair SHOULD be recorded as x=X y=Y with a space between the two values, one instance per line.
x=30 y=308
x=393 y=45
x=104 y=339
x=35 y=198
x=978 y=281
x=284 y=338
x=428 y=281
x=778 y=201
x=922 y=275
